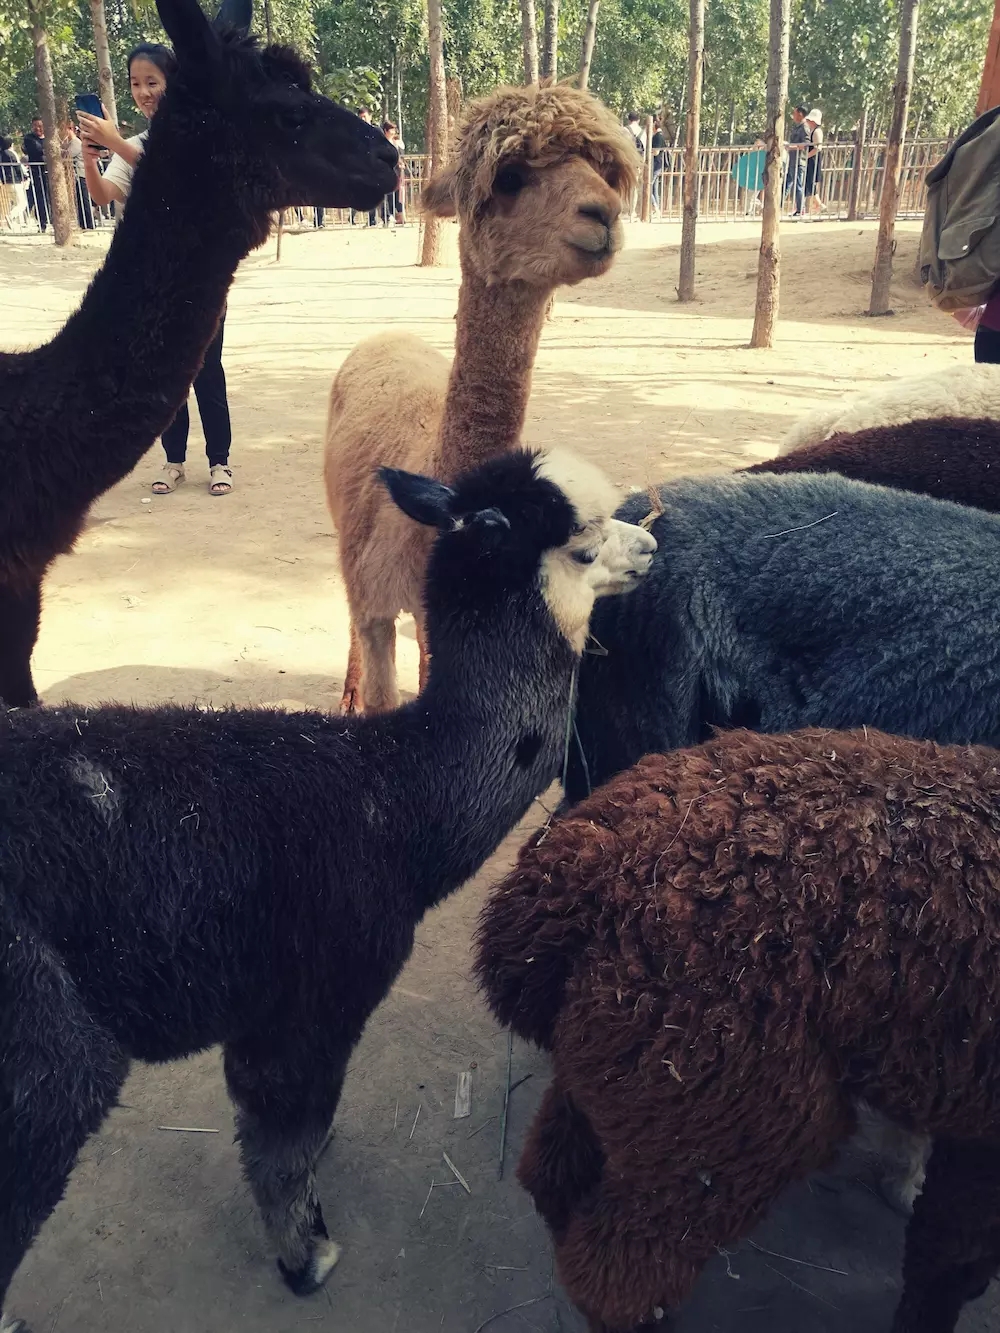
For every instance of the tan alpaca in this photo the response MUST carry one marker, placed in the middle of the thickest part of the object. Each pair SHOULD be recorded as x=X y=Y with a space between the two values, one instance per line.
x=537 y=181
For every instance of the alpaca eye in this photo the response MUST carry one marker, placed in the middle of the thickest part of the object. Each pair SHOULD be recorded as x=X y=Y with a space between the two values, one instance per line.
x=510 y=181
x=585 y=557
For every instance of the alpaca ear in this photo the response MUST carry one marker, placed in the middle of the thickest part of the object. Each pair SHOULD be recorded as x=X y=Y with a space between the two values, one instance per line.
x=190 y=32
x=236 y=14
x=421 y=498
x=438 y=196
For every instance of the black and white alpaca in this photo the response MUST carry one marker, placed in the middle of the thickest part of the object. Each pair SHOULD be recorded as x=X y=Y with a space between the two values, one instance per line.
x=171 y=879
x=239 y=133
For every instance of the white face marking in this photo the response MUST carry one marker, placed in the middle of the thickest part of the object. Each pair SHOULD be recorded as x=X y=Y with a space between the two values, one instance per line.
x=12 y=1325
x=99 y=788
x=602 y=557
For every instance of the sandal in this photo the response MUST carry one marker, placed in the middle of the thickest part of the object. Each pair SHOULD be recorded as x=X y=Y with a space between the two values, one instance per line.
x=220 y=483
x=169 y=479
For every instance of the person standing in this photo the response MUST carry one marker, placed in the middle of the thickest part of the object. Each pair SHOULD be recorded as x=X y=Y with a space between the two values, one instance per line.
x=72 y=155
x=661 y=163
x=392 y=204
x=798 y=146
x=150 y=66
x=814 y=162
x=38 y=191
x=366 y=116
x=12 y=198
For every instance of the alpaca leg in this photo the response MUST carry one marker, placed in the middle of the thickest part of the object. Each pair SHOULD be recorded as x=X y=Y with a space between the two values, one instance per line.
x=59 y=1075
x=285 y=1104
x=20 y=612
x=561 y=1159
x=953 y=1239
x=378 y=657
x=351 y=701
x=425 y=654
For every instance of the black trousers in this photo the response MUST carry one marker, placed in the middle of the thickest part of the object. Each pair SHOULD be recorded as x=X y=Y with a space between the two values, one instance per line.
x=988 y=346
x=213 y=407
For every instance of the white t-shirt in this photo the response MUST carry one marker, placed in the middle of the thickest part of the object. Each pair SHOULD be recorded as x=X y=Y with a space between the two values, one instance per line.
x=118 y=171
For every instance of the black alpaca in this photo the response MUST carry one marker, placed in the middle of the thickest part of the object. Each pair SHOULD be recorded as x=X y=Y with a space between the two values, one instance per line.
x=239 y=134
x=171 y=879
x=806 y=600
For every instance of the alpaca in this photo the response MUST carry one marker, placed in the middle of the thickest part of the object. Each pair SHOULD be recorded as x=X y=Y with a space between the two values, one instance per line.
x=724 y=949
x=950 y=458
x=537 y=182
x=957 y=391
x=800 y=600
x=173 y=879
x=239 y=133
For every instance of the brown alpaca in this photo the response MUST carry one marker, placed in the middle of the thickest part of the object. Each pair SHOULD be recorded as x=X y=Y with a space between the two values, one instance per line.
x=537 y=182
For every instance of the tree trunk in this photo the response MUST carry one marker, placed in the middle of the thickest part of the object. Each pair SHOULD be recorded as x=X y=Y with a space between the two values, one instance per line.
x=989 y=88
x=732 y=124
x=589 y=34
x=59 y=200
x=105 y=78
x=893 y=160
x=769 y=264
x=268 y=25
x=718 y=125
x=453 y=93
x=692 y=143
x=529 y=40
x=550 y=49
x=437 y=127
x=857 y=171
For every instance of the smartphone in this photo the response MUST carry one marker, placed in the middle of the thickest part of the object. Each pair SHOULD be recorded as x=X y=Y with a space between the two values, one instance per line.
x=90 y=103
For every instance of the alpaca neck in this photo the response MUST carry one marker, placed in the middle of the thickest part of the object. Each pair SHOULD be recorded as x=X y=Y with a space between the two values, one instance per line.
x=496 y=342
x=129 y=354
x=484 y=738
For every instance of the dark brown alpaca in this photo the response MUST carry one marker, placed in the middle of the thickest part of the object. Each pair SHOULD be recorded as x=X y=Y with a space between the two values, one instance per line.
x=240 y=133
x=950 y=458
x=726 y=948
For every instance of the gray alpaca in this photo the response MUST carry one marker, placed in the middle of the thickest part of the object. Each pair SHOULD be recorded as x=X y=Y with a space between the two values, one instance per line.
x=783 y=602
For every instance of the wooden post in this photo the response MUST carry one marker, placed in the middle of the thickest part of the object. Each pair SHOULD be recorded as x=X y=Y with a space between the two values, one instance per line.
x=989 y=88
x=589 y=34
x=692 y=145
x=894 y=160
x=529 y=40
x=550 y=44
x=769 y=263
x=645 y=204
x=437 y=130
x=860 y=137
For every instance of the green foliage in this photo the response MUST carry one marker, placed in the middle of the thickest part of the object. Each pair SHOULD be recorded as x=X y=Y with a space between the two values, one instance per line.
x=369 y=51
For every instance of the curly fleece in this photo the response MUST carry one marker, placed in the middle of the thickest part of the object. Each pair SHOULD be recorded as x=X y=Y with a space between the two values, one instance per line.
x=723 y=949
x=539 y=127
x=949 y=458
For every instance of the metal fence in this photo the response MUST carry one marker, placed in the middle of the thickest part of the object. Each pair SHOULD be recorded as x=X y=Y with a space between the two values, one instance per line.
x=722 y=197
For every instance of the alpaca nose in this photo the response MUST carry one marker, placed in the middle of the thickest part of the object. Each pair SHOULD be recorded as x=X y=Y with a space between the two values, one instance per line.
x=598 y=213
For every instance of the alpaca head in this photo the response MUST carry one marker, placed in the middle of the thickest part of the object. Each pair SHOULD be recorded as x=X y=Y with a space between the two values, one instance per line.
x=537 y=179
x=525 y=523
x=257 y=108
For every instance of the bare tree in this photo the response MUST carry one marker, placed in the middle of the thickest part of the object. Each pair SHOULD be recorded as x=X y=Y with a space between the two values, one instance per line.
x=62 y=211
x=550 y=41
x=886 y=245
x=857 y=170
x=769 y=263
x=589 y=34
x=105 y=78
x=529 y=39
x=692 y=143
x=437 y=127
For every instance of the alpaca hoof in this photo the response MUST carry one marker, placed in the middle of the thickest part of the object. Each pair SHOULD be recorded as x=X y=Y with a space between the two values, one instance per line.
x=304 y=1281
x=350 y=703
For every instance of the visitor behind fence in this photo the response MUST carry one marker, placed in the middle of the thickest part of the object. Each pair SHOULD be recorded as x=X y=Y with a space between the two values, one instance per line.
x=71 y=150
x=661 y=163
x=392 y=204
x=798 y=147
x=149 y=68
x=38 y=189
x=13 y=203
x=366 y=116
x=814 y=161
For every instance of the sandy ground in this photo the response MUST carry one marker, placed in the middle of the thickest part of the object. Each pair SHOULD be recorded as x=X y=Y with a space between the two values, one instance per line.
x=187 y=597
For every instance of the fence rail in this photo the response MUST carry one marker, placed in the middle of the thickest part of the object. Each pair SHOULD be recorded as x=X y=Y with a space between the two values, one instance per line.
x=723 y=197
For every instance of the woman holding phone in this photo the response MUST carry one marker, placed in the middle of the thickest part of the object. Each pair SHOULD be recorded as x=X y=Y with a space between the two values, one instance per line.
x=149 y=69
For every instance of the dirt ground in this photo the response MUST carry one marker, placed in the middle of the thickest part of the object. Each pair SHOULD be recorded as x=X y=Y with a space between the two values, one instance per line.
x=238 y=600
